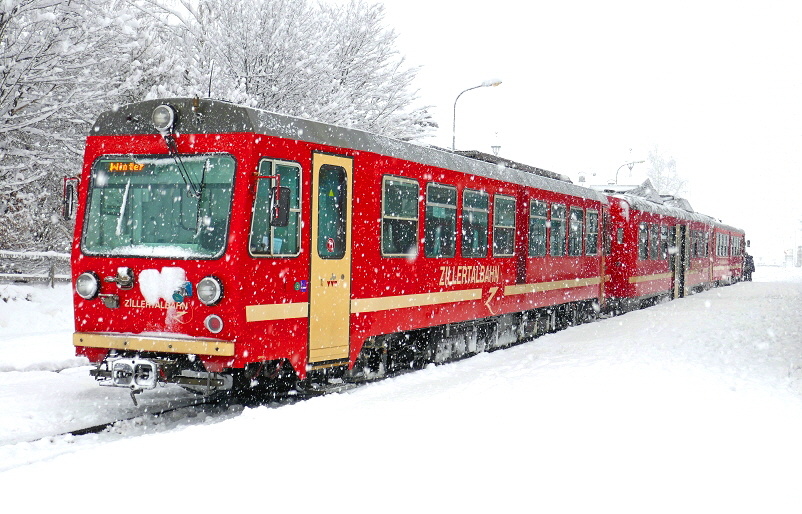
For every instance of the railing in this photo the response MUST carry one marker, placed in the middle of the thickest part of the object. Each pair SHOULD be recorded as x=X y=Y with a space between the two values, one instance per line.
x=34 y=267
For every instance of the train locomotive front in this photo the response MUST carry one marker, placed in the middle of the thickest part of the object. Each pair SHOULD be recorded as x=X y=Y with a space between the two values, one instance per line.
x=164 y=283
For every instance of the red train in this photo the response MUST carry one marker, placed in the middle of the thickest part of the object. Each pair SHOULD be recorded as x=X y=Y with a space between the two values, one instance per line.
x=661 y=248
x=222 y=247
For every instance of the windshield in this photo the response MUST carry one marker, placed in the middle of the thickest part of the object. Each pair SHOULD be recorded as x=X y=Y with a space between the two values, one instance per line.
x=141 y=206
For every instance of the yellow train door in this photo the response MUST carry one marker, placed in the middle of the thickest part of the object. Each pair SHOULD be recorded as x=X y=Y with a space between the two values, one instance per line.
x=330 y=277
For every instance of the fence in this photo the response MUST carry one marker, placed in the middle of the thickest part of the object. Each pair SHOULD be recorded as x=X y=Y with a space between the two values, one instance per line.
x=34 y=267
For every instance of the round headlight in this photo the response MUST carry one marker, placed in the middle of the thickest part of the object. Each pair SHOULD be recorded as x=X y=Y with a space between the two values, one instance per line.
x=210 y=290
x=87 y=285
x=163 y=118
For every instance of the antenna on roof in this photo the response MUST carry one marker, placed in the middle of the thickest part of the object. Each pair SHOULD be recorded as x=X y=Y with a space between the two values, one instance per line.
x=211 y=72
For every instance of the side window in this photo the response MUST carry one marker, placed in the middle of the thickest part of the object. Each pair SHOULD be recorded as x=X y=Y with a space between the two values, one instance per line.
x=592 y=233
x=475 y=213
x=576 y=231
x=557 y=242
x=276 y=241
x=399 y=217
x=332 y=195
x=503 y=226
x=654 y=242
x=663 y=242
x=643 y=241
x=441 y=221
x=538 y=215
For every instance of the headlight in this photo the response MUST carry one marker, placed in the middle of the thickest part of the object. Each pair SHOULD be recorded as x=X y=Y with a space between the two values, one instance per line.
x=210 y=290
x=87 y=285
x=163 y=118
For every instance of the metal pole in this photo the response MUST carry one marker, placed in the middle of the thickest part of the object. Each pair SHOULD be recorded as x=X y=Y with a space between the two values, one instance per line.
x=486 y=83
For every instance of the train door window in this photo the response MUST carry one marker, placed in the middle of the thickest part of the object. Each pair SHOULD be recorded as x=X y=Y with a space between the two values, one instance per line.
x=643 y=241
x=592 y=233
x=576 y=231
x=266 y=239
x=475 y=214
x=332 y=195
x=399 y=217
x=654 y=242
x=538 y=215
x=619 y=235
x=663 y=242
x=503 y=226
x=441 y=221
x=557 y=242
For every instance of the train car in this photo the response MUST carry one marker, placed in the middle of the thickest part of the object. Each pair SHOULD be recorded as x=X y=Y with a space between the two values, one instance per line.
x=658 y=250
x=222 y=247
x=727 y=248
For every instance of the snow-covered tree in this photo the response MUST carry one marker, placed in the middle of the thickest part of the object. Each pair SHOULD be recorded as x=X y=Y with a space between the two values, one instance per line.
x=333 y=63
x=57 y=62
x=663 y=173
x=64 y=61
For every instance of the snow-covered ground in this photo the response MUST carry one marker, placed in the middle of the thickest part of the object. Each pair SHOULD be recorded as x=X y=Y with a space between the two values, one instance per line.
x=689 y=406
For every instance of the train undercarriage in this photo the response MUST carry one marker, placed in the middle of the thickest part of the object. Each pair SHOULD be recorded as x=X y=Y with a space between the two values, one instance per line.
x=381 y=356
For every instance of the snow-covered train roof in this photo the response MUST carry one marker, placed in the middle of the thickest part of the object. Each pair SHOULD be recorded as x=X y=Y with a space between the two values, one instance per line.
x=204 y=116
x=644 y=197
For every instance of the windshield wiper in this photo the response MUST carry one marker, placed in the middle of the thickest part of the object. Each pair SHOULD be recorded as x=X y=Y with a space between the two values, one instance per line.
x=195 y=190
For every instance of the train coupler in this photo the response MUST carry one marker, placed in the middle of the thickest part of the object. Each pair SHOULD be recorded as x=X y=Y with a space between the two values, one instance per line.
x=134 y=373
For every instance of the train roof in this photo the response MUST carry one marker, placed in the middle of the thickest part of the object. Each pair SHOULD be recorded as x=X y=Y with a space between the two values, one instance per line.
x=644 y=197
x=205 y=116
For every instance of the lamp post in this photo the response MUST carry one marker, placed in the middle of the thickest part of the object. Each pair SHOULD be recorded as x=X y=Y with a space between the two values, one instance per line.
x=628 y=164
x=486 y=83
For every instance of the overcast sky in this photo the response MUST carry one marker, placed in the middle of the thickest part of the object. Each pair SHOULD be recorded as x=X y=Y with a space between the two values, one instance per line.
x=716 y=85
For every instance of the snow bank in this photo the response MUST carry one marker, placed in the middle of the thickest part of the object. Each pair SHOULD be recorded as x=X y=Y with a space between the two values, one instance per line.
x=36 y=328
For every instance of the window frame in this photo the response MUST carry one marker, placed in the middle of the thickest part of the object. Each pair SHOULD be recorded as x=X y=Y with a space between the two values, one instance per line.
x=563 y=221
x=383 y=217
x=297 y=210
x=643 y=241
x=654 y=242
x=664 y=231
x=465 y=210
x=545 y=218
x=591 y=236
x=572 y=236
x=427 y=204
x=503 y=229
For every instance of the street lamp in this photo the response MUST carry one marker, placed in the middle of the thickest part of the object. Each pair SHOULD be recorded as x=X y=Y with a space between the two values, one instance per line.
x=486 y=83
x=628 y=164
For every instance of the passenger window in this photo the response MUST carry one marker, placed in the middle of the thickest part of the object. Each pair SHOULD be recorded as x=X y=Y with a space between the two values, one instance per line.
x=399 y=217
x=332 y=195
x=654 y=242
x=441 y=221
x=503 y=226
x=475 y=214
x=557 y=242
x=576 y=232
x=266 y=239
x=538 y=215
x=643 y=241
x=592 y=233
x=663 y=242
